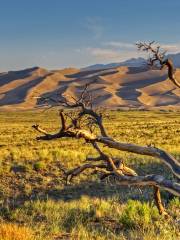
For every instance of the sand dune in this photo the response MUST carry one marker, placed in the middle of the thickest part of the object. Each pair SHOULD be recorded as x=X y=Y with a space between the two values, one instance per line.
x=114 y=87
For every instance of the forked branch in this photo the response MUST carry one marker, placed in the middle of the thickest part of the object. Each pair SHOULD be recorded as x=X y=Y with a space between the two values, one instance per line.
x=158 y=56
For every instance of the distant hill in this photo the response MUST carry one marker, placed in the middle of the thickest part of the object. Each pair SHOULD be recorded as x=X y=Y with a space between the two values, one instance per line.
x=117 y=87
x=176 y=59
x=133 y=62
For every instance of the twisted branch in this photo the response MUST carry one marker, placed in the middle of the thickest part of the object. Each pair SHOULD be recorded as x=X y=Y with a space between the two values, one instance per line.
x=158 y=55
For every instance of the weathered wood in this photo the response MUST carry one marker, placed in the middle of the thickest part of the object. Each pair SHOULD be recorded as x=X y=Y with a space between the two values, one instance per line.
x=169 y=160
x=151 y=180
x=158 y=56
x=158 y=201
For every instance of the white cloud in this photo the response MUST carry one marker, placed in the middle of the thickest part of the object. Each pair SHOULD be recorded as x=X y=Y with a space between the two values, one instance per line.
x=107 y=54
x=114 y=51
x=171 y=48
x=124 y=45
x=103 y=53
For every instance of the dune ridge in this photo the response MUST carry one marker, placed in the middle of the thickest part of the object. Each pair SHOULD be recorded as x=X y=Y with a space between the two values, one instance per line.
x=120 y=87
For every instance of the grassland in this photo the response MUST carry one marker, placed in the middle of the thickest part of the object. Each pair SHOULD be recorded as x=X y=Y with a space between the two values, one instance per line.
x=35 y=203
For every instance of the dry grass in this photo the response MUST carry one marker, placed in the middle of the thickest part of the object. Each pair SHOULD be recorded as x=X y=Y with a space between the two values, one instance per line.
x=34 y=199
x=14 y=232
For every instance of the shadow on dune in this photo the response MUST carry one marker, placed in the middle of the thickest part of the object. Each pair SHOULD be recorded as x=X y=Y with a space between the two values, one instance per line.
x=96 y=88
x=98 y=93
x=129 y=90
x=11 y=76
x=84 y=74
x=134 y=70
x=81 y=74
x=19 y=94
x=169 y=99
x=56 y=94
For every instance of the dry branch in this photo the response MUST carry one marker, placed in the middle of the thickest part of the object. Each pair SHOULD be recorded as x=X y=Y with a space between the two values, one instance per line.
x=169 y=160
x=158 y=56
x=159 y=204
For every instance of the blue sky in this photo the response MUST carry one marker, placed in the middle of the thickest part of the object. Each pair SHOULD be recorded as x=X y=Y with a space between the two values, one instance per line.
x=63 y=33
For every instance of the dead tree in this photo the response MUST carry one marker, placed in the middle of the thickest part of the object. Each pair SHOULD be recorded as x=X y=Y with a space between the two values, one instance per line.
x=157 y=56
x=82 y=123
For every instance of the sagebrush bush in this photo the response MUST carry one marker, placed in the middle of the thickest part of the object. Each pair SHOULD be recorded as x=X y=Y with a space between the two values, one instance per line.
x=39 y=165
x=138 y=215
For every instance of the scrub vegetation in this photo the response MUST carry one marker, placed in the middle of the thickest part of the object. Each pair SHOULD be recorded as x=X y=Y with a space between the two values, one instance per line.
x=35 y=202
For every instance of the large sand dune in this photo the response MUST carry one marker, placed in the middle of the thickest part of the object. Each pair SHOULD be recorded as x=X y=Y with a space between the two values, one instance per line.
x=114 y=87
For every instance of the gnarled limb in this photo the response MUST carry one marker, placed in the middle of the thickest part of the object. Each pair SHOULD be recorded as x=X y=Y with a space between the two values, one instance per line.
x=169 y=160
x=112 y=167
x=157 y=55
x=151 y=180
x=69 y=175
x=126 y=179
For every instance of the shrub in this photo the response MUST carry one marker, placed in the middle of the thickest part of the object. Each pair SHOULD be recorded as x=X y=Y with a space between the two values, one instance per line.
x=137 y=214
x=39 y=165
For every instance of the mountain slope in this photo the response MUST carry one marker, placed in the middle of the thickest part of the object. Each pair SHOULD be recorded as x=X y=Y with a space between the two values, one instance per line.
x=133 y=62
x=136 y=87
